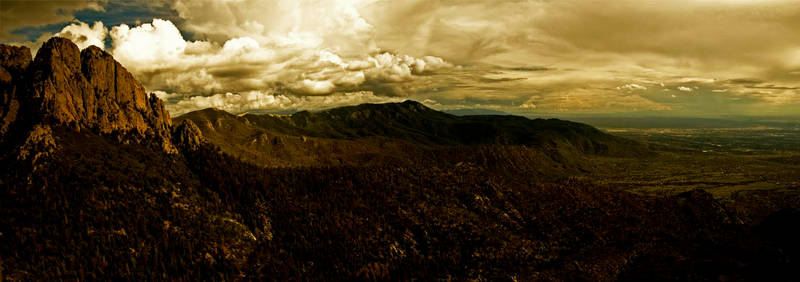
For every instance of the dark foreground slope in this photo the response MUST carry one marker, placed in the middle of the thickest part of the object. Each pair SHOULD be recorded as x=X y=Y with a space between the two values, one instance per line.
x=112 y=190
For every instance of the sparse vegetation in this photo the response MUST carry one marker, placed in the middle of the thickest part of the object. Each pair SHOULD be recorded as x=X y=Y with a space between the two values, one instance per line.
x=133 y=211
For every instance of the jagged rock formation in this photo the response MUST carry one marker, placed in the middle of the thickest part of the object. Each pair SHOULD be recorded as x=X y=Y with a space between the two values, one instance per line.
x=82 y=90
x=81 y=165
x=188 y=136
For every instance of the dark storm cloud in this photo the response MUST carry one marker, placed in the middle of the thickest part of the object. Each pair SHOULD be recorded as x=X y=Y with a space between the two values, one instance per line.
x=21 y=18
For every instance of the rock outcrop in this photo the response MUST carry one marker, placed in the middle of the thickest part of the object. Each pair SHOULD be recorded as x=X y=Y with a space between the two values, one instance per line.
x=84 y=90
x=188 y=136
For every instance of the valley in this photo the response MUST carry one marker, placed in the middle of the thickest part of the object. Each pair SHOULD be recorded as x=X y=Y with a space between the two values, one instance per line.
x=723 y=161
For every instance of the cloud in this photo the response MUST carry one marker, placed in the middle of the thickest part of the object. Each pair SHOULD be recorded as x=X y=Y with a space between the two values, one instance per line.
x=529 y=68
x=84 y=35
x=492 y=53
x=335 y=25
x=272 y=74
x=699 y=42
x=158 y=54
x=16 y=14
x=394 y=68
x=148 y=47
x=631 y=87
x=431 y=103
x=266 y=101
x=694 y=80
x=584 y=99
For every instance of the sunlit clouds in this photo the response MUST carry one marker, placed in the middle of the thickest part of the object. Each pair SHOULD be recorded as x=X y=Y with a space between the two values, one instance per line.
x=525 y=57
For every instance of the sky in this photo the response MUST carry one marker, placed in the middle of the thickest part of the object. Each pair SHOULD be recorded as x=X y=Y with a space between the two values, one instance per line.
x=688 y=58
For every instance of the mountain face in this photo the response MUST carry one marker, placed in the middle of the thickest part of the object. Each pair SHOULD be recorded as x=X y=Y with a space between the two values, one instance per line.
x=96 y=183
x=188 y=136
x=83 y=90
x=358 y=135
x=414 y=122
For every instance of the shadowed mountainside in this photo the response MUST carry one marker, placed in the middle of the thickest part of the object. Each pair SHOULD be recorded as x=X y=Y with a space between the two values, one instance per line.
x=404 y=131
x=412 y=121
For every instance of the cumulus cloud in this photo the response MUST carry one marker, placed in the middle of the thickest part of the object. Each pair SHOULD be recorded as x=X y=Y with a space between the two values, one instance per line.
x=335 y=25
x=149 y=46
x=269 y=101
x=159 y=55
x=84 y=35
x=393 y=68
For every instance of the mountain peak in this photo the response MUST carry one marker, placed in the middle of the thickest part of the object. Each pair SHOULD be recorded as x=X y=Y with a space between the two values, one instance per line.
x=188 y=136
x=57 y=53
x=89 y=90
x=412 y=103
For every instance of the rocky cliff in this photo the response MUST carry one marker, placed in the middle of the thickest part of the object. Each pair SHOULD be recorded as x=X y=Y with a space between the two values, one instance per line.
x=188 y=136
x=81 y=90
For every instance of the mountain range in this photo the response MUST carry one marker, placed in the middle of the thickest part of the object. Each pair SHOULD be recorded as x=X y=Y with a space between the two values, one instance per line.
x=402 y=132
x=99 y=182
